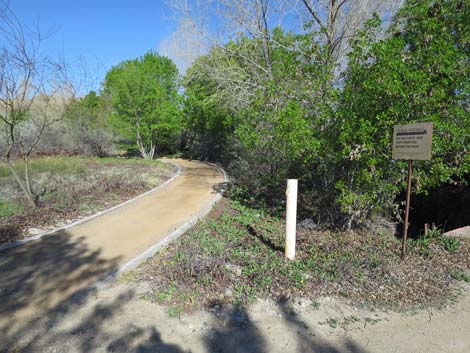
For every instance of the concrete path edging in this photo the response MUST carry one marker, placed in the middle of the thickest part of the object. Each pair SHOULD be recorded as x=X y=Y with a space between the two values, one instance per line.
x=89 y=218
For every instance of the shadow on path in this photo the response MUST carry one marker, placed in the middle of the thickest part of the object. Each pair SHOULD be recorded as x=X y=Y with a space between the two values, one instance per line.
x=42 y=282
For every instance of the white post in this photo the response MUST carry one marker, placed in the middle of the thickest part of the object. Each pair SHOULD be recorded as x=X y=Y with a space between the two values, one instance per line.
x=291 y=218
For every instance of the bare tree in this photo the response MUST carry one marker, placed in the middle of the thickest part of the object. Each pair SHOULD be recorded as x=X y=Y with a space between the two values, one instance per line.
x=338 y=21
x=204 y=24
x=32 y=92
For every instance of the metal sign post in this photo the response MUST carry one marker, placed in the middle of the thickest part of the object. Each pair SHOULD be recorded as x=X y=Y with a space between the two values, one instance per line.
x=411 y=142
x=407 y=212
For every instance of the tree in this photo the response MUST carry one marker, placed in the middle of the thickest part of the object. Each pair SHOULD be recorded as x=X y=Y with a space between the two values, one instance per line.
x=270 y=125
x=419 y=72
x=145 y=102
x=88 y=125
x=33 y=95
x=337 y=22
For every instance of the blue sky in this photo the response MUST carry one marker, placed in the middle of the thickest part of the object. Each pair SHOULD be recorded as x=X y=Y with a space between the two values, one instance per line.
x=104 y=32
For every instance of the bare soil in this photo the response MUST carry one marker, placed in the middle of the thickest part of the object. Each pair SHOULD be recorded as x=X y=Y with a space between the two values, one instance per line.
x=115 y=319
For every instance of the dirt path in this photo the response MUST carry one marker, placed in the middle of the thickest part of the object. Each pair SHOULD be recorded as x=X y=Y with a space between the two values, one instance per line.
x=43 y=277
x=117 y=319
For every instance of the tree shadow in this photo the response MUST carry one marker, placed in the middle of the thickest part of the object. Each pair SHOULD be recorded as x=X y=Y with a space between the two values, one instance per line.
x=152 y=342
x=306 y=342
x=235 y=332
x=47 y=301
x=43 y=281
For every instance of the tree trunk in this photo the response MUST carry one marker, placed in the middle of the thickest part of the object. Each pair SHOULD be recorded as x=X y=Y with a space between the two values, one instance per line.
x=23 y=186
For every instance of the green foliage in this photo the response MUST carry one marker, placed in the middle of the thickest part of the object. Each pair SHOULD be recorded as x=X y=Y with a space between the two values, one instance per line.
x=315 y=304
x=419 y=72
x=460 y=276
x=263 y=117
x=424 y=243
x=145 y=102
x=8 y=208
x=281 y=113
x=87 y=120
x=207 y=123
x=450 y=244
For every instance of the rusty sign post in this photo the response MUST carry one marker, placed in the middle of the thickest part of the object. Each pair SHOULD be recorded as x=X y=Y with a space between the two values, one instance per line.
x=411 y=142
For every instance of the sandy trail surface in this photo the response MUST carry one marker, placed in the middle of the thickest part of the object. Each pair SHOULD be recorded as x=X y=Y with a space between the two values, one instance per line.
x=119 y=319
x=43 y=277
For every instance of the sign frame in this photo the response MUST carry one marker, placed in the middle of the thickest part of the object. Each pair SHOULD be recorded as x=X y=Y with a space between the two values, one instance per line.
x=412 y=141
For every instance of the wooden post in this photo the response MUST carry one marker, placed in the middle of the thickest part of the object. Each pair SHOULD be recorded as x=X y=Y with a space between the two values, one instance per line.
x=407 y=213
x=426 y=228
x=291 y=218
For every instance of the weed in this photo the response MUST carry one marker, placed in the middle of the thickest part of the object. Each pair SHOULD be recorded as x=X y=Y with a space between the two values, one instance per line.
x=369 y=320
x=240 y=248
x=348 y=320
x=333 y=323
x=450 y=244
x=460 y=276
x=315 y=305
x=174 y=311
x=8 y=209
x=244 y=294
x=434 y=232
x=160 y=297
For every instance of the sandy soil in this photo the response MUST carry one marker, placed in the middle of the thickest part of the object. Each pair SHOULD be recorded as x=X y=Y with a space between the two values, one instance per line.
x=116 y=319
x=463 y=232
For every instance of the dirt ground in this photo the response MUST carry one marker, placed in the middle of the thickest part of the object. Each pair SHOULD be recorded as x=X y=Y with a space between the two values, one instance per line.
x=117 y=319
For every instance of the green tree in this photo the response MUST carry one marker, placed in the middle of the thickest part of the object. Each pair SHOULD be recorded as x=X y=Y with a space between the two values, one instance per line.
x=419 y=72
x=145 y=102
x=270 y=112
x=208 y=123
x=88 y=125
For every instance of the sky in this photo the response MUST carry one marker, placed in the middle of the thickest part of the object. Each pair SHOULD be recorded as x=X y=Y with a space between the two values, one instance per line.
x=103 y=32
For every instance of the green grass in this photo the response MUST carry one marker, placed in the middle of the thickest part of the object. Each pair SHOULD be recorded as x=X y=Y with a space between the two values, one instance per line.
x=8 y=209
x=48 y=164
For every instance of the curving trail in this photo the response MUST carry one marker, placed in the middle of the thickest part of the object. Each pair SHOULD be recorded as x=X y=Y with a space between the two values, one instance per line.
x=41 y=278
